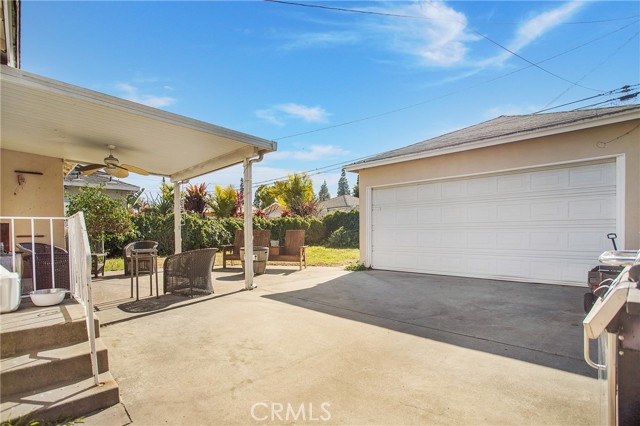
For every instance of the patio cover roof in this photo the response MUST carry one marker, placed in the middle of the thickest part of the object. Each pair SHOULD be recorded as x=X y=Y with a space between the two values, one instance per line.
x=47 y=117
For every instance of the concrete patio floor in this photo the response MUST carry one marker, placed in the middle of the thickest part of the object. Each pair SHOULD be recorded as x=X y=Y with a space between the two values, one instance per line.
x=325 y=346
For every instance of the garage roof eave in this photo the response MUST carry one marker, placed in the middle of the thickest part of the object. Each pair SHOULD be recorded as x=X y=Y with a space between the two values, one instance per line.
x=382 y=160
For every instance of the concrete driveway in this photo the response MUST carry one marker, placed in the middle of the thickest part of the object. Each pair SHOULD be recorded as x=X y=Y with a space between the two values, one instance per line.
x=324 y=346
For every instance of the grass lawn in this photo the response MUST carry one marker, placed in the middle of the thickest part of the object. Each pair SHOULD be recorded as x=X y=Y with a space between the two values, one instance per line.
x=316 y=256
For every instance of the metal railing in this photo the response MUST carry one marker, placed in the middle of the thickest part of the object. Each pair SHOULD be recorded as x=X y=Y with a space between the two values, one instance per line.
x=78 y=263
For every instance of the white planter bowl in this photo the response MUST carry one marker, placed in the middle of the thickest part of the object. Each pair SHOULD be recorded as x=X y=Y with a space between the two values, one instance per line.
x=48 y=296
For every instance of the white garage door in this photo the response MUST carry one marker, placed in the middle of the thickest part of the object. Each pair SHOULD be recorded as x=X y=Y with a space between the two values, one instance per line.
x=541 y=225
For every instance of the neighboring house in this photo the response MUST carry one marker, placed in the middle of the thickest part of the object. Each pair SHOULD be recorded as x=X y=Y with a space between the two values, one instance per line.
x=341 y=202
x=274 y=210
x=522 y=198
x=113 y=188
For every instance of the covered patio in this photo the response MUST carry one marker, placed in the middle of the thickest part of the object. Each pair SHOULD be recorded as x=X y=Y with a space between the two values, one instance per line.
x=50 y=119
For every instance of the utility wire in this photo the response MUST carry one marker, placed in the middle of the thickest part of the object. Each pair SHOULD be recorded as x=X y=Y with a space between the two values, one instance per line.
x=454 y=92
x=389 y=112
x=592 y=70
x=473 y=30
x=625 y=91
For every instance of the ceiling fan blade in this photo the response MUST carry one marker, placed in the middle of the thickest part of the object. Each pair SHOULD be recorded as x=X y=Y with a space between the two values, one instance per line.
x=118 y=171
x=89 y=168
x=135 y=169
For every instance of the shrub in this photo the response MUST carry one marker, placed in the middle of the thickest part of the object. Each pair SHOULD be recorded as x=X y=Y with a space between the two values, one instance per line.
x=356 y=266
x=342 y=237
x=350 y=220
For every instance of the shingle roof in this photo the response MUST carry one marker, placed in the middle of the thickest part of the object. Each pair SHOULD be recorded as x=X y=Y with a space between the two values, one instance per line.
x=503 y=126
x=98 y=178
x=341 y=201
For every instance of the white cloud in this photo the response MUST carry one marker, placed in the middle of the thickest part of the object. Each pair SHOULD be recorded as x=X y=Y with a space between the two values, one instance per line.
x=439 y=38
x=321 y=39
x=315 y=152
x=279 y=114
x=310 y=114
x=270 y=116
x=535 y=28
x=132 y=93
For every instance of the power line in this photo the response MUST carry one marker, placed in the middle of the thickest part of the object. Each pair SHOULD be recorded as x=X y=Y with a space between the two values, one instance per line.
x=398 y=15
x=592 y=70
x=473 y=30
x=454 y=92
x=625 y=91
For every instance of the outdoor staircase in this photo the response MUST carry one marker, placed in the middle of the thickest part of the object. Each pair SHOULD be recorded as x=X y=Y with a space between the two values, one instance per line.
x=45 y=365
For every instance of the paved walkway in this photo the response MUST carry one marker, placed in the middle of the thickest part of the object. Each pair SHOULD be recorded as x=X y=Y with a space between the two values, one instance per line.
x=324 y=346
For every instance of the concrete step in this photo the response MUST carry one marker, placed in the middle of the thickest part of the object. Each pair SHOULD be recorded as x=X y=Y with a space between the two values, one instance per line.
x=39 y=369
x=69 y=400
x=33 y=328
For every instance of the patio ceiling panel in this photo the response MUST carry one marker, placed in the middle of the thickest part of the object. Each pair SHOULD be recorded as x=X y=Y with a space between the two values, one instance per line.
x=47 y=117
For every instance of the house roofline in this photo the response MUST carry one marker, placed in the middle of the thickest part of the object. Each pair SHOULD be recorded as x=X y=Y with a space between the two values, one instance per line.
x=633 y=114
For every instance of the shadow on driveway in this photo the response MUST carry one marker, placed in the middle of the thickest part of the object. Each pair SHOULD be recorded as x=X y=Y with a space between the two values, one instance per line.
x=536 y=323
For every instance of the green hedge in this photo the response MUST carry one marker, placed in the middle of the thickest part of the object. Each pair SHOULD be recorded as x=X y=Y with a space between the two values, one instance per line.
x=198 y=232
x=349 y=220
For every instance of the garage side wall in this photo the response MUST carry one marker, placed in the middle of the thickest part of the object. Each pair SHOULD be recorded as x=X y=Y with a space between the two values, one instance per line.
x=576 y=146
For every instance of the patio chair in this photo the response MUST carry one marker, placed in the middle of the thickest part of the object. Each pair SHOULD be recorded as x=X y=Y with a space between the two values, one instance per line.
x=144 y=266
x=42 y=254
x=232 y=251
x=189 y=271
x=293 y=250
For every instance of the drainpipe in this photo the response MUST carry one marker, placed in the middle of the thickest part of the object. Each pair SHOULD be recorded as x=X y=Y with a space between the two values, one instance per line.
x=11 y=59
x=177 y=218
x=248 y=221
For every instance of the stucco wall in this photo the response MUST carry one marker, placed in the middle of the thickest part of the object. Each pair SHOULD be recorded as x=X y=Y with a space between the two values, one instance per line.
x=573 y=146
x=40 y=195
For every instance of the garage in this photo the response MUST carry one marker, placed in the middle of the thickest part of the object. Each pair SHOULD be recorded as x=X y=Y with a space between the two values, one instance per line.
x=527 y=198
x=540 y=225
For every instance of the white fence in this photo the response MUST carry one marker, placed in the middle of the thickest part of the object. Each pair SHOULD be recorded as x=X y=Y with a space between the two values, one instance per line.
x=57 y=266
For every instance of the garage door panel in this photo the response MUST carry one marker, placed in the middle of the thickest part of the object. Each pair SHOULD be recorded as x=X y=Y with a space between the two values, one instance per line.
x=549 y=210
x=591 y=176
x=431 y=192
x=504 y=226
x=593 y=208
x=549 y=179
x=513 y=183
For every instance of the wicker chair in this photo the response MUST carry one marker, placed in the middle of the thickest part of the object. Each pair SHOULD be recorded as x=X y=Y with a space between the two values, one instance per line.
x=189 y=271
x=293 y=250
x=232 y=251
x=144 y=265
x=42 y=254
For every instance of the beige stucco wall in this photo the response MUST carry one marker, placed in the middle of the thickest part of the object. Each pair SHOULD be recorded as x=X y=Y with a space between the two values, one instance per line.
x=572 y=146
x=40 y=195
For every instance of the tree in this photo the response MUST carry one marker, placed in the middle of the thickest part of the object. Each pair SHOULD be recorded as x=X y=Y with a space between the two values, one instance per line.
x=223 y=201
x=297 y=194
x=324 y=194
x=102 y=214
x=196 y=198
x=343 y=184
x=356 y=189
x=264 y=197
x=242 y=185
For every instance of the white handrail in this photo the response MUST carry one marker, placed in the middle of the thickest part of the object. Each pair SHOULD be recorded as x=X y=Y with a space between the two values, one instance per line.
x=79 y=251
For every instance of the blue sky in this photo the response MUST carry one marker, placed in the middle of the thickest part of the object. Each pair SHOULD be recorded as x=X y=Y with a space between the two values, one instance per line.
x=299 y=75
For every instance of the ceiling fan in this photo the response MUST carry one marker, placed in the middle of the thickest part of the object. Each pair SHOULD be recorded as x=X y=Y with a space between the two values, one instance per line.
x=112 y=166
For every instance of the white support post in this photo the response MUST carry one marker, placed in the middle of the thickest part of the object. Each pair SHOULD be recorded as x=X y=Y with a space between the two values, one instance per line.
x=248 y=227
x=177 y=219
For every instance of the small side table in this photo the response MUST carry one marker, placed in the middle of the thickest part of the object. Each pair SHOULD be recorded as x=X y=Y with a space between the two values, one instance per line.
x=274 y=251
x=97 y=263
x=150 y=255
